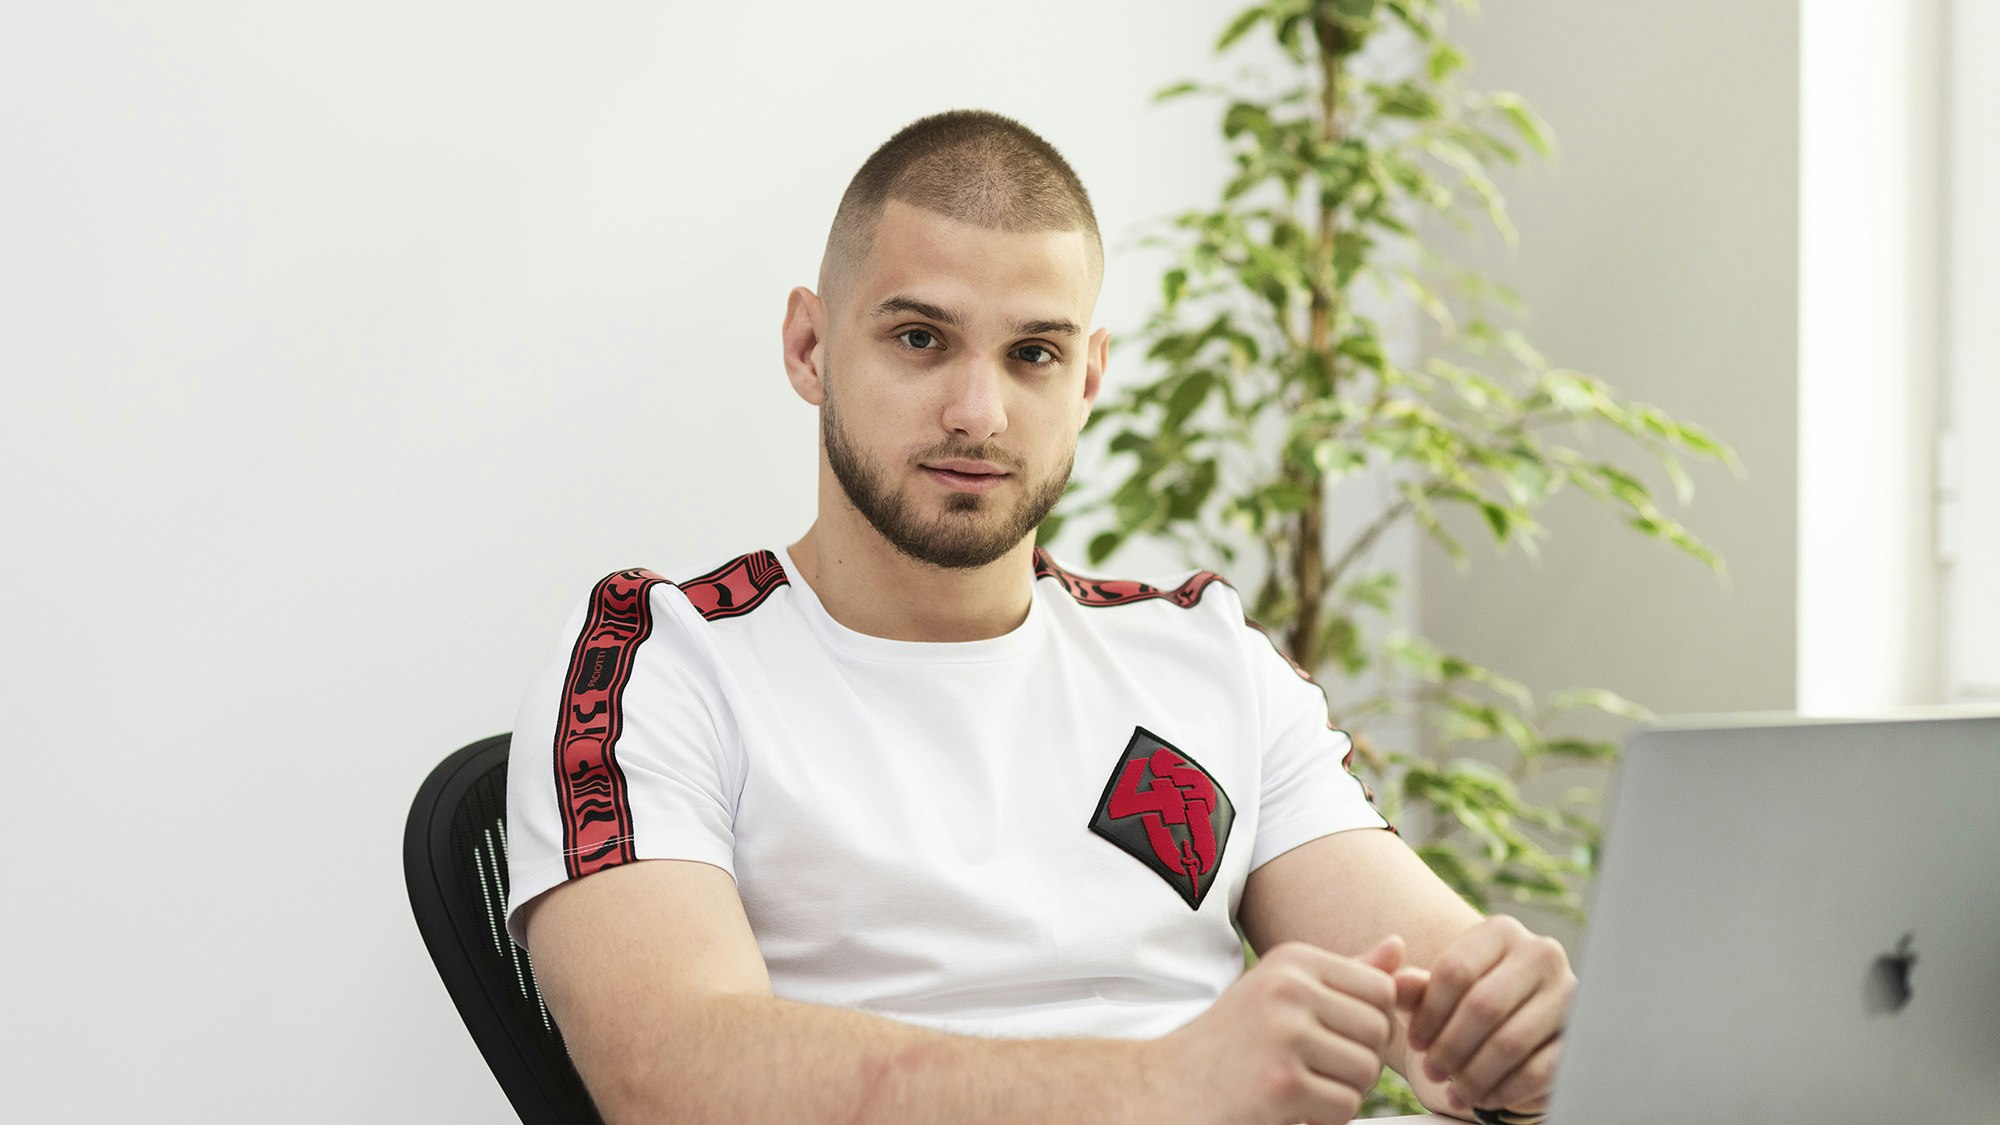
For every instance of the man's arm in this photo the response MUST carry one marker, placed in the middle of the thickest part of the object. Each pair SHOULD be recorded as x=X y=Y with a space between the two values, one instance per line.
x=666 y=1006
x=1486 y=998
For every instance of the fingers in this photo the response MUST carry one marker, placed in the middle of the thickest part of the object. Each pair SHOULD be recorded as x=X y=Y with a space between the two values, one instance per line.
x=1481 y=1010
x=1470 y=958
x=1528 y=1087
x=1387 y=954
x=1332 y=1024
x=1517 y=1061
x=1343 y=1058
x=1327 y=1102
x=1410 y=982
x=1490 y=1017
x=1347 y=976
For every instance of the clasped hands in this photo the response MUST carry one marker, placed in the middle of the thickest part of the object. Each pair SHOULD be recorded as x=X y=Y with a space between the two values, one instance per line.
x=1303 y=1035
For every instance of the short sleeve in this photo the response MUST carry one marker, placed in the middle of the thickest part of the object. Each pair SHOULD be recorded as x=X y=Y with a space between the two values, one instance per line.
x=1307 y=789
x=619 y=752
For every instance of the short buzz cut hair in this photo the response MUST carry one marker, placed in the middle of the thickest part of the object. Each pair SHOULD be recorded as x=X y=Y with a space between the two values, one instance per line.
x=970 y=165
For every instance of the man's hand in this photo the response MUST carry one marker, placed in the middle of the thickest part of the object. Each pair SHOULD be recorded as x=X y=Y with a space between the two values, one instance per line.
x=1488 y=1017
x=1298 y=1038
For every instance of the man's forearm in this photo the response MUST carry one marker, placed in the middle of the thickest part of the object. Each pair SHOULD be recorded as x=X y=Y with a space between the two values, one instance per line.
x=747 y=1058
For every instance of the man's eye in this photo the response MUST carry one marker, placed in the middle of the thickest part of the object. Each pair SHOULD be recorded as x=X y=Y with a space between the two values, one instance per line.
x=1038 y=348
x=916 y=338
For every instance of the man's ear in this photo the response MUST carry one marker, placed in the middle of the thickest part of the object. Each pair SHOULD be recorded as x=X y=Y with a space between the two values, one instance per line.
x=805 y=335
x=1097 y=354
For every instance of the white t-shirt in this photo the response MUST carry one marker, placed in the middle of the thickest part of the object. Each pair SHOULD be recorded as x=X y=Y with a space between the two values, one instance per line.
x=1041 y=834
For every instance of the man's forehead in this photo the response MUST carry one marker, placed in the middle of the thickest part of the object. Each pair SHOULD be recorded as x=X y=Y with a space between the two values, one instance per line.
x=922 y=255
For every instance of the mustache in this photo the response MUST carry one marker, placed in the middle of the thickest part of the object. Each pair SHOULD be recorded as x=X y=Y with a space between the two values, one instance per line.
x=949 y=451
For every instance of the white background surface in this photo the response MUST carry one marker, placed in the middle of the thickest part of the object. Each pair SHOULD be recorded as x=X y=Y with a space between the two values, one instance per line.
x=1660 y=253
x=1872 y=308
x=345 y=346
x=1972 y=583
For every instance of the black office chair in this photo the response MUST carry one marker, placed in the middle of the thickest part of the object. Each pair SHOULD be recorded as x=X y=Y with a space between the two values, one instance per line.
x=455 y=864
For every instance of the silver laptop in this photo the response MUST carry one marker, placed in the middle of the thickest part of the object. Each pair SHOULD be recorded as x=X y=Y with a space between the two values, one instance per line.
x=1795 y=921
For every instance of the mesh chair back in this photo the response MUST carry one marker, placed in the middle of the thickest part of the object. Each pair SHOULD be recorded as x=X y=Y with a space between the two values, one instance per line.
x=455 y=864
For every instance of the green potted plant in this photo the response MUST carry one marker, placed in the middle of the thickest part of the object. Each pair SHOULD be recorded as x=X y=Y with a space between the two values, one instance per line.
x=1277 y=385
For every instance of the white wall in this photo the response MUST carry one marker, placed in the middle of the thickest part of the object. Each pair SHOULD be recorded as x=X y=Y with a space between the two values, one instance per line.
x=1659 y=253
x=1969 y=540
x=1872 y=304
x=343 y=347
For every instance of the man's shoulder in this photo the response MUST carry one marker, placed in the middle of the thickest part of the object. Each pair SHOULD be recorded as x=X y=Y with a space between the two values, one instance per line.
x=715 y=591
x=734 y=587
x=1186 y=590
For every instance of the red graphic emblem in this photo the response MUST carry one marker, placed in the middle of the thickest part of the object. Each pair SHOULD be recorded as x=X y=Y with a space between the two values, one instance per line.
x=1168 y=813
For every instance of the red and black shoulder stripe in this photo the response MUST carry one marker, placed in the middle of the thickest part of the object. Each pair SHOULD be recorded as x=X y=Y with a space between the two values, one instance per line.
x=737 y=586
x=1122 y=591
x=590 y=788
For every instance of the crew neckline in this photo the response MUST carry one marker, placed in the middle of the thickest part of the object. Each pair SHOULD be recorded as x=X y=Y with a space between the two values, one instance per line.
x=889 y=650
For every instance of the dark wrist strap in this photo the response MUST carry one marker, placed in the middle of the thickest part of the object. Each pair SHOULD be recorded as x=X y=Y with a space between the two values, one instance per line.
x=1507 y=1117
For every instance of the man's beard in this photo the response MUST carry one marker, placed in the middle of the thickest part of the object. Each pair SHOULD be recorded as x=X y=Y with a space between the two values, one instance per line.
x=960 y=539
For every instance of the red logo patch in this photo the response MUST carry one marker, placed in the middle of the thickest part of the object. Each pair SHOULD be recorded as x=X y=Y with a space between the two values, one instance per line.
x=1167 y=812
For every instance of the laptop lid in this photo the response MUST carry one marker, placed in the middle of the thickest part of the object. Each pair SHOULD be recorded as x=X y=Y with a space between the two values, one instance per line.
x=1794 y=920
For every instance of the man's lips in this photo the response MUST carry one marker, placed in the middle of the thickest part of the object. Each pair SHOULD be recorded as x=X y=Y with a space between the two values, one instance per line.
x=966 y=476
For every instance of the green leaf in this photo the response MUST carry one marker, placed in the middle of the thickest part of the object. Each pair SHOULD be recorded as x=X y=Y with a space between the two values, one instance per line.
x=1243 y=117
x=1051 y=526
x=1239 y=26
x=1178 y=89
x=1187 y=398
x=1102 y=544
x=1375 y=591
x=1526 y=478
x=1341 y=642
x=1286 y=497
x=1445 y=60
x=1450 y=866
x=1288 y=36
x=1702 y=442
x=1611 y=703
x=1350 y=252
x=1405 y=99
x=1338 y=458
x=1583 y=748
x=1137 y=506
x=1187 y=499
x=1428 y=301
x=1129 y=441
x=1531 y=127
x=1530 y=885
x=1363 y=346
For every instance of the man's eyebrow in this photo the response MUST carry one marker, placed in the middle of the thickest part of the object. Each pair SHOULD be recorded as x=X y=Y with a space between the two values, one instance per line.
x=901 y=304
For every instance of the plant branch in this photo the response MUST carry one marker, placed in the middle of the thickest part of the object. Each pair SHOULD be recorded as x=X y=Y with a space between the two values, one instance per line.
x=1308 y=536
x=1389 y=517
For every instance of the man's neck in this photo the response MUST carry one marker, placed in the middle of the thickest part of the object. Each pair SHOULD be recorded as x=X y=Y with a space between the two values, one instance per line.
x=870 y=587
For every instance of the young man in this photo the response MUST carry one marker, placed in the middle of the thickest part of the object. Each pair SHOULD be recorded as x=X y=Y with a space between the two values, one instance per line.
x=938 y=831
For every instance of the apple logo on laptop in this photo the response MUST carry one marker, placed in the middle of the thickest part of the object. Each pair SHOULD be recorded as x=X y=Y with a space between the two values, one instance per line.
x=1887 y=988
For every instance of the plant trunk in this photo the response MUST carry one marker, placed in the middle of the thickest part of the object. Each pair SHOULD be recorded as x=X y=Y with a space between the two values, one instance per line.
x=1309 y=543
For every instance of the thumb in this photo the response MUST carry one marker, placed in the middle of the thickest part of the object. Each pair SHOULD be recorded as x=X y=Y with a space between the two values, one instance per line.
x=1410 y=983
x=1387 y=954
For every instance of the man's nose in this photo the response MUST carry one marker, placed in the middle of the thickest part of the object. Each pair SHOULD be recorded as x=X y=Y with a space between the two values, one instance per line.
x=975 y=405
